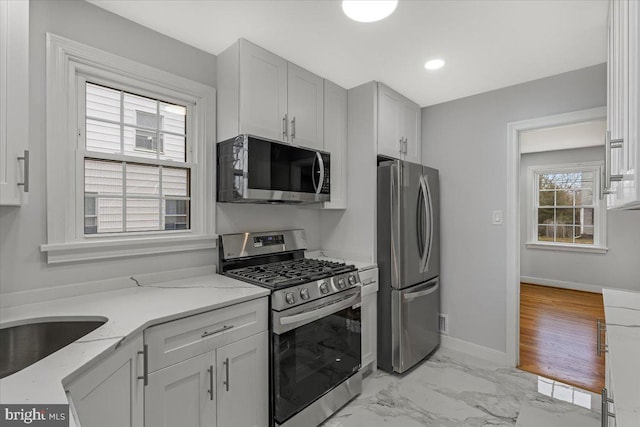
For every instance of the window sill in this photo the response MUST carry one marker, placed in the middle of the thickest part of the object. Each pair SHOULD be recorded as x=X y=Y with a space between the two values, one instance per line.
x=58 y=253
x=567 y=248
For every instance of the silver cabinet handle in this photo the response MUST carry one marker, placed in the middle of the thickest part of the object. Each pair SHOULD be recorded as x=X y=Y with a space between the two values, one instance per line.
x=216 y=331
x=25 y=179
x=605 y=414
x=601 y=326
x=210 y=391
x=293 y=128
x=226 y=366
x=145 y=361
x=406 y=146
x=610 y=144
x=284 y=127
x=400 y=149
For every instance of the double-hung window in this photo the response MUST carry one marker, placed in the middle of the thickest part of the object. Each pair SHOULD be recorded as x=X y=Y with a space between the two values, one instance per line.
x=130 y=157
x=566 y=211
x=137 y=169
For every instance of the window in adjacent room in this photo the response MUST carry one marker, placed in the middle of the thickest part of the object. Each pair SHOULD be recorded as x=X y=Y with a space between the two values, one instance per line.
x=567 y=210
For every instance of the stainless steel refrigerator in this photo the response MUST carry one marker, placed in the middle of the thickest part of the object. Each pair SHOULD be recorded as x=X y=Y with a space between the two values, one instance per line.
x=409 y=264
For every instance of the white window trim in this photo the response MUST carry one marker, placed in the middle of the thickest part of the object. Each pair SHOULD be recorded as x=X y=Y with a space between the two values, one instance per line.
x=600 y=212
x=67 y=58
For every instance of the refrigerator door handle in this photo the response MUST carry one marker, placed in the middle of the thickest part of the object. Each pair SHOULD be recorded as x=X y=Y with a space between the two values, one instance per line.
x=428 y=232
x=418 y=294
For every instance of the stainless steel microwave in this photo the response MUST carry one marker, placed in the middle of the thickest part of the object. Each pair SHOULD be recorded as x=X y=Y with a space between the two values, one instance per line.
x=252 y=169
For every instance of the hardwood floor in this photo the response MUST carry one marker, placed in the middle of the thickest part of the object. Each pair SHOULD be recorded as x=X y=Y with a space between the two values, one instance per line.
x=558 y=335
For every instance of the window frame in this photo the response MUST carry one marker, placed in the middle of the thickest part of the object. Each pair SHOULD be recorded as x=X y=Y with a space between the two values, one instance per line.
x=599 y=212
x=68 y=64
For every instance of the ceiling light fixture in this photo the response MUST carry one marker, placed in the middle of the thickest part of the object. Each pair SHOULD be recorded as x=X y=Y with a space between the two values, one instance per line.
x=434 y=64
x=368 y=10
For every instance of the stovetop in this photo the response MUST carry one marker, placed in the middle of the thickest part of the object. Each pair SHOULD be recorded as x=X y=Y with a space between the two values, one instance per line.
x=284 y=274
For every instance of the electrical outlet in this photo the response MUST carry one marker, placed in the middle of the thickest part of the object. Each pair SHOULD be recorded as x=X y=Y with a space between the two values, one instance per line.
x=443 y=323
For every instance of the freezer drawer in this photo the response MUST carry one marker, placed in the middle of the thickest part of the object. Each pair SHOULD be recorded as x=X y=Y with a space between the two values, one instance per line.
x=415 y=323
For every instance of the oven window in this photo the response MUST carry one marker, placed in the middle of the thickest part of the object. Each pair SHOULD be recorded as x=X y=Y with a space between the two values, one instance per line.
x=314 y=358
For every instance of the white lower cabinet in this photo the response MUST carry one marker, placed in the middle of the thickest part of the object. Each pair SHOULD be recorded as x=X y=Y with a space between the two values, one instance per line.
x=225 y=387
x=182 y=394
x=369 y=319
x=112 y=392
x=242 y=383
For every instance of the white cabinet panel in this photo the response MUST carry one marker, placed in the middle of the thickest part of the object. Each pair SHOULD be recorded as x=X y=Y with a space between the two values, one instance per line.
x=263 y=92
x=399 y=126
x=335 y=142
x=14 y=101
x=183 y=394
x=411 y=131
x=369 y=317
x=623 y=94
x=389 y=122
x=305 y=108
x=242 y=383
x=110 y=394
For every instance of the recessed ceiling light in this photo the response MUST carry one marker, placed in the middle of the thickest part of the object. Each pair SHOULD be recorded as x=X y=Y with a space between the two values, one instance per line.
x=434 y=64
x=368 y=10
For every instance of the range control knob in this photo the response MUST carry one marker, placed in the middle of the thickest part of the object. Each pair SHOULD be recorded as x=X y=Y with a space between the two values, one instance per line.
x=341 y=283
x=352 y=279
x=290 y=297
x=324 y=288
x=304 y=293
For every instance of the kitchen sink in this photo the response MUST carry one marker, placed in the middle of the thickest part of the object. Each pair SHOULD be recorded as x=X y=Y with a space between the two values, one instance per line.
x=24 y=345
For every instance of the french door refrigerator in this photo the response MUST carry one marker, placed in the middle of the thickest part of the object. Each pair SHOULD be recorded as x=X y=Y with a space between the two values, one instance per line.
x=409 y=264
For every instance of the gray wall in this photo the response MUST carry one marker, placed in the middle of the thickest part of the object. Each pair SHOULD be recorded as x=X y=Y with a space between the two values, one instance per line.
x=618 y=268
x=23 y=230
x=466 y=140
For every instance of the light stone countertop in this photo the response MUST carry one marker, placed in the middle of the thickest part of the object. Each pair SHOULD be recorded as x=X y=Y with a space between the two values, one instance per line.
x=622 y=315
x=127 y=311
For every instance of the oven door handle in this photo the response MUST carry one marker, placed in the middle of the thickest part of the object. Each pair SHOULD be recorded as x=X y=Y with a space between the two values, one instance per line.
x=302 y=318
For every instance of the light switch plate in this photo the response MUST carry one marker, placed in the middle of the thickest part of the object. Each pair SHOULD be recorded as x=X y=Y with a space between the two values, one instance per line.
x=497 y=217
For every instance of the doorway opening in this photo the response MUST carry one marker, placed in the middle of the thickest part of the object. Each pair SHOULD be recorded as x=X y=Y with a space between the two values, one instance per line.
x=555 y=214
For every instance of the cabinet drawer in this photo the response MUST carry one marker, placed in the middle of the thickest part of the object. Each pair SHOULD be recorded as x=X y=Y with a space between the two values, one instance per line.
x=178 y=340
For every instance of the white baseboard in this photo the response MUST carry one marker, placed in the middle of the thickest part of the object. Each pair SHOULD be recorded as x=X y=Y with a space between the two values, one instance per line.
x=475 y=350
x=560 y=284
x=65 y=291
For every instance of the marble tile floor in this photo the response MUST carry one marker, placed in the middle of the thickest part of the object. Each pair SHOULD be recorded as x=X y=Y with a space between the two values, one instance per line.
x=454 y=389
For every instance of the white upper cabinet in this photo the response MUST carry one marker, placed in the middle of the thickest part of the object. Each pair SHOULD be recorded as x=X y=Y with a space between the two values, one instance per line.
x=305 y=108
x=622 y=178
x=14 y=102
x=335 y=142
x=399 y=122
x=261 y=94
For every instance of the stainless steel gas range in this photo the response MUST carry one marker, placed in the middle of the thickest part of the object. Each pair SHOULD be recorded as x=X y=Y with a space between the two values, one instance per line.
x=315 y=322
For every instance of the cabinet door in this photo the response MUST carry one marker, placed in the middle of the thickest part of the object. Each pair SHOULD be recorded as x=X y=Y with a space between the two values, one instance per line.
x=263 y=92
x=110 y=394
x=243 y=382
x=411 y=131
x=389 y=123
x=14 y=100
x=335 y=142
x=182 y=394
x=306 y=108
x=369 y=328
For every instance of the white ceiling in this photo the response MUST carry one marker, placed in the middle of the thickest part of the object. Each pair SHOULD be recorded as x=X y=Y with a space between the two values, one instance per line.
x=486 y=44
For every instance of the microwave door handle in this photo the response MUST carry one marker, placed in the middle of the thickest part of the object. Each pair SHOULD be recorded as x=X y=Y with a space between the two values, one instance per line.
x=321 y=168
x=313 y=173
x=302 y=318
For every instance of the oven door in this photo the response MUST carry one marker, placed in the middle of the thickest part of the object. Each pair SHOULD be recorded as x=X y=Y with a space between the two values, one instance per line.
x=316 y=347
